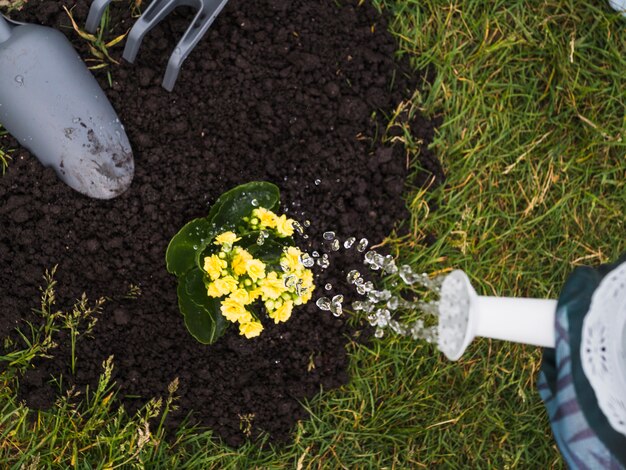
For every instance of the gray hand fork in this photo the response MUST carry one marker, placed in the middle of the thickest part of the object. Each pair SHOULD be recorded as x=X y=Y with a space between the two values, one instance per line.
x=52 y=104
x=207 y=11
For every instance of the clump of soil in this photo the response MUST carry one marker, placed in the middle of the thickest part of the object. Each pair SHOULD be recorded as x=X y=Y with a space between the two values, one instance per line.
x=293 y=92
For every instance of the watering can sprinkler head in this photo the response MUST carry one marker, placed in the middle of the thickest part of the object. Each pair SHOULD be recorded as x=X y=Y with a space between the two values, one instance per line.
x=457 y=323
x=52 y=104
x=463 y=315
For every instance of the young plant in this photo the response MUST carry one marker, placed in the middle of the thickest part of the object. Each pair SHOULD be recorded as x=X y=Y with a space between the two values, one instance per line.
x=4 y=154
x=73 y=320
x=98 y=46
x=235 y=263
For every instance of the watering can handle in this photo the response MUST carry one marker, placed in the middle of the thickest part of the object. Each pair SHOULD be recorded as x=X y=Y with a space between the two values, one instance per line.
x=5 y=29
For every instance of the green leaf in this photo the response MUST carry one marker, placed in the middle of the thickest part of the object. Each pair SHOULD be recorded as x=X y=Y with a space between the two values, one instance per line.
x=203 y=317
x=251 y=238
x=270 y=252
x=191 y=239
x=234 y=205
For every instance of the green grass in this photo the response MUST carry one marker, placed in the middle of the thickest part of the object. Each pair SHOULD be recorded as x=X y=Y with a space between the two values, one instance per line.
x=532 y=96
x=5 y=158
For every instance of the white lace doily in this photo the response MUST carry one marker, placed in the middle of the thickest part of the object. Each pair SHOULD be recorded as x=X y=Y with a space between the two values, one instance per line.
x=603 y=347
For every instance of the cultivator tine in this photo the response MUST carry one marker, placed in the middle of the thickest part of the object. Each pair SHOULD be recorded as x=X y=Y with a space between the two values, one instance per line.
x=95 y=15
x=157 y=10
x=201 y=23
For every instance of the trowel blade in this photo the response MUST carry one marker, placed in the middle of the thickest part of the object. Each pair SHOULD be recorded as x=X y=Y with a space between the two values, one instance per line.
x=51 y=103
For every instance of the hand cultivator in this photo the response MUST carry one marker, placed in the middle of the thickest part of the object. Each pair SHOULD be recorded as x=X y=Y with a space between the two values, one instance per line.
x=207 y=11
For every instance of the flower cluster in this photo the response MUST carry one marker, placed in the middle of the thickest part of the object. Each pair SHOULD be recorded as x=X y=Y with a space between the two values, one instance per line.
x=239 y=279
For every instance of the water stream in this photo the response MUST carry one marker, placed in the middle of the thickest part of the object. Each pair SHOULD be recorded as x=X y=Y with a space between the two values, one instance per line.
x=382 y=308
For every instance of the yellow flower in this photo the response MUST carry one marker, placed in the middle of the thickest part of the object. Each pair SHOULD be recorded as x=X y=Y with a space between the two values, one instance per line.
x=291 y=259
x=272 y=286
x=255 y=293
x=241 y=295
x=255 y=269
x=267 y=219
x=240 y=261
x=234 y=311
x=250 y=329
x=282 y=313
x=307 y=279
x=226 y=238
x=304 y=297
x=213 y=265
x=226 y=285
x=212 y=291
x=284 y=226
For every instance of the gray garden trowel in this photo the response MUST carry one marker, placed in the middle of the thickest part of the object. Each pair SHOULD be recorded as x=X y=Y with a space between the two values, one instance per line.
x=52 y=104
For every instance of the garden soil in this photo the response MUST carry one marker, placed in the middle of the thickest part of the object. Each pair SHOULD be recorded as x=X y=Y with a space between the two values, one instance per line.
x=298 y=93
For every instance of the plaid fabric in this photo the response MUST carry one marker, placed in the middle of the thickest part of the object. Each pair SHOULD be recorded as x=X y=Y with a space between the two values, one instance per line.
x=584 y=436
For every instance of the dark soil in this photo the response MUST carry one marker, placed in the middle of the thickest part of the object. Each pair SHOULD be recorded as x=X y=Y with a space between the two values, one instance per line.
x=278 y=90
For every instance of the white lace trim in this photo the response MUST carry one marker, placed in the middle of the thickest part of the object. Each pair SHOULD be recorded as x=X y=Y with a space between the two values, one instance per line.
x=603 y=347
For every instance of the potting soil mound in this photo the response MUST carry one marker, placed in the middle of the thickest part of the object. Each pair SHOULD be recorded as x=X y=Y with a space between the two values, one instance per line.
x=293 y=92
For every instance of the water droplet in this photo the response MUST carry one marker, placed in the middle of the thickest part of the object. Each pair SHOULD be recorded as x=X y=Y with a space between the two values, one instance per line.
x=323 y=262
x=392 y=303
x=336 y=306
x=388 y=265
x=357 y=305
x=383 y=316
x=317 y=182
x=315 y=254
x=307 y=223
x=335 y=245
x=290 y=281
x=306 y=260
x=362 y=245
x=369 y=257
x=255 y=203
x=19 y=79
x=353 y=276
x=379 y=333
x=349 y=242
x=397 y=327
x=298 y=227
x=328 y=235
x=432 y=307
x=328 y=286
x=323 y=303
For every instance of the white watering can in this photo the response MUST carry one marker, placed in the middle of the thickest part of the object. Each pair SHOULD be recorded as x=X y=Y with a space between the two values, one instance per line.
x=463 y=315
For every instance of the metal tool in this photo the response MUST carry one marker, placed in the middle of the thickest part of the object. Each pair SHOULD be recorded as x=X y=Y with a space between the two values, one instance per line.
x=52 y=104
x=207 y=11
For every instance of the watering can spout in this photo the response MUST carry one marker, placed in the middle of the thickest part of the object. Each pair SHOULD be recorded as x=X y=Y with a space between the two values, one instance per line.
x=464 y=315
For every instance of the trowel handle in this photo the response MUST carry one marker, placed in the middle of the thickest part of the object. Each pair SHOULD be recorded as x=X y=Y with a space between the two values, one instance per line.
x=5 y=29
